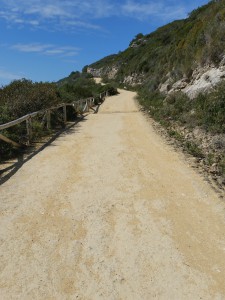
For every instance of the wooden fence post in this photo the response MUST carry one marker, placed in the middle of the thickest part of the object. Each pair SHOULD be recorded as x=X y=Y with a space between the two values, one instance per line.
x=48 y=119
x=77 y=105
x=64 y=114
x=29 y=129
x=87 y=106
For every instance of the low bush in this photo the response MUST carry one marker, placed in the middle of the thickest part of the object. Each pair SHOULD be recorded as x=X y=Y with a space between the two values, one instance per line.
x=210 y=109
x=206 y=110
x=22 y=97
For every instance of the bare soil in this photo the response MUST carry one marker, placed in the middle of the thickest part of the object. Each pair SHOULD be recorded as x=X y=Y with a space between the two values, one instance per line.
x=110 y=211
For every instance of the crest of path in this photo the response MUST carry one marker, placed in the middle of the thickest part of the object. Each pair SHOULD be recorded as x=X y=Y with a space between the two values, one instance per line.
x=110 y=211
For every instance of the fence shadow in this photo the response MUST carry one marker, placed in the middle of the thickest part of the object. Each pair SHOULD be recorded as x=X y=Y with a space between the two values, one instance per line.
x=26 y=155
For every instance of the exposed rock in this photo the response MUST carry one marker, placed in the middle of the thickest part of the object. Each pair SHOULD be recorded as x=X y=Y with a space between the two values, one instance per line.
x=221 y=180
x=109 y=71
x=134 y=79
x=179 y=85
x=138 y=43
x=166 y=86
x=95 y=72
x=204 y=81
x=222 y=63
x=218 y=141
x=213 y=169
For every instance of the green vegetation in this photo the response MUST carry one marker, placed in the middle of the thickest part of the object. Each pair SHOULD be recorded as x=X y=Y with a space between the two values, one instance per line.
x=177 y=48
x=189 y=146
x=22 y=97
x=80 y=86
x=173 y=52
x=206 y=110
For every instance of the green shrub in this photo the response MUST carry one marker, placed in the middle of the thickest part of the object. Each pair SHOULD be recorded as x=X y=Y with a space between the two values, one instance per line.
x=22 y=97
x=111 y=90
x=221 y=165
x=192 y=148
x=176 y=48
x=207 y=110
x=210 y=109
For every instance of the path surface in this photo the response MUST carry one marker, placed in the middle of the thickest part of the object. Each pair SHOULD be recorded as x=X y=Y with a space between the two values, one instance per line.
x=110 y=211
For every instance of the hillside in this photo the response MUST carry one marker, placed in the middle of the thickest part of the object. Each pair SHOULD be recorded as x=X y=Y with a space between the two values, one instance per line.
x=173 y=52
x=179 y=72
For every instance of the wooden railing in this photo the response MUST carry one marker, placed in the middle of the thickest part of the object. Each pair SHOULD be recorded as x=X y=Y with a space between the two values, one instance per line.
x=80 y=107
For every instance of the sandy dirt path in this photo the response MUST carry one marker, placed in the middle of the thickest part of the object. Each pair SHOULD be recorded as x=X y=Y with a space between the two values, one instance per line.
x=110 y=211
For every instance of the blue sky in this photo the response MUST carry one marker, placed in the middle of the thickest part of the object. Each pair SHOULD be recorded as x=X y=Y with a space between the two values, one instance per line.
x=45 y=40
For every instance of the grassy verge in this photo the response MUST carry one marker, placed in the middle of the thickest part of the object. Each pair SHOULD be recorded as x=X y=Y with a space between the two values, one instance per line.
x=206 y=112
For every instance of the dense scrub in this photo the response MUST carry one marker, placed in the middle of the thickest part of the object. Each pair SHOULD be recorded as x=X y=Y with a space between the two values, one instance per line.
x=18 y=99
x=206 y=110
x=176 y=48
x=80 y=86
x=21 y=97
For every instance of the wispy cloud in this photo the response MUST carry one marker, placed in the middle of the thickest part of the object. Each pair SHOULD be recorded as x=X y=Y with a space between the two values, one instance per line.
x=137 y=8
x=7 y=75
x=56 y=14
x=47 y=49
x=31 y=47
x=77 y=14
x=160 y=9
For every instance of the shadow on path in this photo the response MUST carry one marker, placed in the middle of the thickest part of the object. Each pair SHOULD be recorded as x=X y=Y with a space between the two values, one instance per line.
x=25 y=155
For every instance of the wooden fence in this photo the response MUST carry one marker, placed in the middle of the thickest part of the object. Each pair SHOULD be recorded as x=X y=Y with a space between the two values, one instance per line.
x=80 y=107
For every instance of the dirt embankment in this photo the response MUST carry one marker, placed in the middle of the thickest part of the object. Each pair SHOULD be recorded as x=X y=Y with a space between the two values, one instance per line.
x=110 y=211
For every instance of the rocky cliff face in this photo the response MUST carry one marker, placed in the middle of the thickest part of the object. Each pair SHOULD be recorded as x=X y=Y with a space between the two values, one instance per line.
x=203 y=79
x=134 y=79
x=157 y=60
x=110 y=72
x=95 y=72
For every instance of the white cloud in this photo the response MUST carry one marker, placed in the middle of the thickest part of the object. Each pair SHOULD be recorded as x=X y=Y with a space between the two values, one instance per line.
x=31 y=47
x=57 y=14
x=6 y=75
x=77 y=14
x=81 y=24
x=47 y=11
x=70 y=54
x=46 y=49
x=160 y=9
x=70 y=61
x=53 y=52
x=34 y=22
x=133 y=8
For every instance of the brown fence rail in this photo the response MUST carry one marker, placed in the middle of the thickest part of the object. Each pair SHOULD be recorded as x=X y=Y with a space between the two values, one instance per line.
x=80 y=107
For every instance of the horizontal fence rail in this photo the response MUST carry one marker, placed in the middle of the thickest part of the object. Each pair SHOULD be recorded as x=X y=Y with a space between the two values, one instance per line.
x=80 y=107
